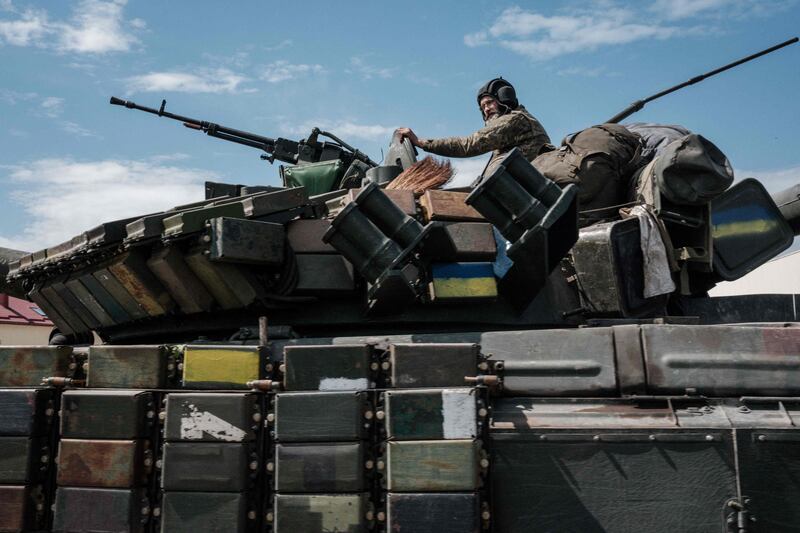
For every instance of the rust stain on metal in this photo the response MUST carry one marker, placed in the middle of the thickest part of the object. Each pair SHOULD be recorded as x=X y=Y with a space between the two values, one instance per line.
x=137 y=289
x=109 y=463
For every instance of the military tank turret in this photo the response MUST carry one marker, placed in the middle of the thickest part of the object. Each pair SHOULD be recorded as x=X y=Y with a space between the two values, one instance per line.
x=323 y=359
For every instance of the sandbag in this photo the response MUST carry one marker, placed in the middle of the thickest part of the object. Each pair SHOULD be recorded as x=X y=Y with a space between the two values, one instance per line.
x=692 y=171
x=600 y=160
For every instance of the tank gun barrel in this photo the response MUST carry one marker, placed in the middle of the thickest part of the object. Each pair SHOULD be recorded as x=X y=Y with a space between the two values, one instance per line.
x=639 y=104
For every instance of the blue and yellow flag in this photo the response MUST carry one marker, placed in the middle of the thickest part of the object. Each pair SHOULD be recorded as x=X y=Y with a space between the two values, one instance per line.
x=451 y=281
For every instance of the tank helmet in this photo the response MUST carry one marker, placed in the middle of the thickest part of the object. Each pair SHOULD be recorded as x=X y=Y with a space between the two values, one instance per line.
x=500 y=90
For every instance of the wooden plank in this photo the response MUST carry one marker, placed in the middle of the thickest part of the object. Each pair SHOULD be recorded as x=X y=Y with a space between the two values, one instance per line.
x=447 y=205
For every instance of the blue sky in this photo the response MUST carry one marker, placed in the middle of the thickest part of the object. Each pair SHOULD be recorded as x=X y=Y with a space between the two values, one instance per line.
x=69 y=160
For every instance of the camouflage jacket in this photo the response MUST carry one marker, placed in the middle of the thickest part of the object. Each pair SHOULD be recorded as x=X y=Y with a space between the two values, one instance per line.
x=499 y=135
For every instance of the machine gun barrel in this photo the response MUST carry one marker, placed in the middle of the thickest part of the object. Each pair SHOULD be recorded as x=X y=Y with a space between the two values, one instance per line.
x=281 y=149
x=639 y=104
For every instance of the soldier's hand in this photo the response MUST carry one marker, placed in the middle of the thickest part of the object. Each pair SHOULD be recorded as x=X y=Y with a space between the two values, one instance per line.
x=409 y=134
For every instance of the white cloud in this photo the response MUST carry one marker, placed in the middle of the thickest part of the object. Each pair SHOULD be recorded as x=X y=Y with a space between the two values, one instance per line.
x=63 y=197
x=467 y=170
x=96 y=27
x=367 y=72
x=686 y=9
x=29 y=29
x=774 y=180
x=345 y=129
x=542 y=37
x=77 y=130
x=280 y=46
x=586 y=72
x=282 y=70
x=199 y=81
x=52 y=106
x=7 y=96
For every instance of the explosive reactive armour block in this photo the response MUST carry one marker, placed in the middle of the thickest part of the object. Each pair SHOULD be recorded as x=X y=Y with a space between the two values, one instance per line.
x=115 y=309
x=103 y=463
x=23 y=460
x=21 y=508
x=305 y=236
x=327 y=368
x=466 y=241
x=432 y=365
x=267 y=203
x=433 y=513
x=246 y=241
x=25 y=366
x=324 y=275
x=133 y=367
x=344 y=513
x=204 y=512
x=448 y=205
x=107 y=414
x=88 y=301
x=402 y=199
x=432 y=466
x=208 y=466
x=26 y=411
x=133 y=274
x=170 y=268
x=231 y=285
x=195 y=220
x=323 y=467
x=320 y=416
x=431 y=414
x=49 y=309
x=220 y=367
x=106 y=510
x=212 y=417
x=120 y=294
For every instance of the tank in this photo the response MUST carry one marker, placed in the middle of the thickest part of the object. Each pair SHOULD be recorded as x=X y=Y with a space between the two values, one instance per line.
x=375 y=360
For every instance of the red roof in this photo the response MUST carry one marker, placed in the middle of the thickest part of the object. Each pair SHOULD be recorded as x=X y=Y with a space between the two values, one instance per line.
x=22 y=312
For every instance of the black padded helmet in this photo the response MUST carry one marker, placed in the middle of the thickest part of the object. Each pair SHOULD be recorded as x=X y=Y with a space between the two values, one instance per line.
x=500 y=90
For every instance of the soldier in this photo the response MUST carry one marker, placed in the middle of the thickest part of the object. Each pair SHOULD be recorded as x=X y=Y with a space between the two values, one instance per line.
x=508 y=125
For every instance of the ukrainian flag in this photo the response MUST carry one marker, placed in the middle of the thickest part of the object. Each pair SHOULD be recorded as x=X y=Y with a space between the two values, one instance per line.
x=462 y=281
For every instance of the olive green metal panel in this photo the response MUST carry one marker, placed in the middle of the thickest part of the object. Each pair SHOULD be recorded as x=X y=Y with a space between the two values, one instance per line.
x=324 y=467
x=318 y=513
x=100 y=510
x=207 y=467
x=114 y=308
x=204 y=512
x=16 y=459
x=326 y=368
x=221 y=367
x=25 y=366
x=26 y=412
x=246 y=241
x=101 y=463
x=305 y=236
x=225 y=417
x=195 y=219
x=74 y=305
x=107 y=414
x=430 y=466
x=431 y=414
x=320 y=416
x=55 y=317
x=135 y=367
x=231 y=285
x=274 y=202
x=88 y=300
x=133 y=274
x=432 y=365
x=433 y=513
x=171 y=269
x=113 y=286
x=64 y=310
x=324 y=275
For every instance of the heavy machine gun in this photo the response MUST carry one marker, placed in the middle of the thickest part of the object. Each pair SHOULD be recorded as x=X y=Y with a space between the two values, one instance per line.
x=305 y=151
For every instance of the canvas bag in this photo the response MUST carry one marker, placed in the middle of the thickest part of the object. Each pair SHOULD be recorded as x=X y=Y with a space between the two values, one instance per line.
x=599 y=160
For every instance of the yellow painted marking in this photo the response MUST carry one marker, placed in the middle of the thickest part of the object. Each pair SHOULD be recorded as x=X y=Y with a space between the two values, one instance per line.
x=220 y=365
x=464 y=288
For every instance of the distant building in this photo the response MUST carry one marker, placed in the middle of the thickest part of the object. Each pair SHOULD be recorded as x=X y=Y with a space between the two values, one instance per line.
x=22 y=322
